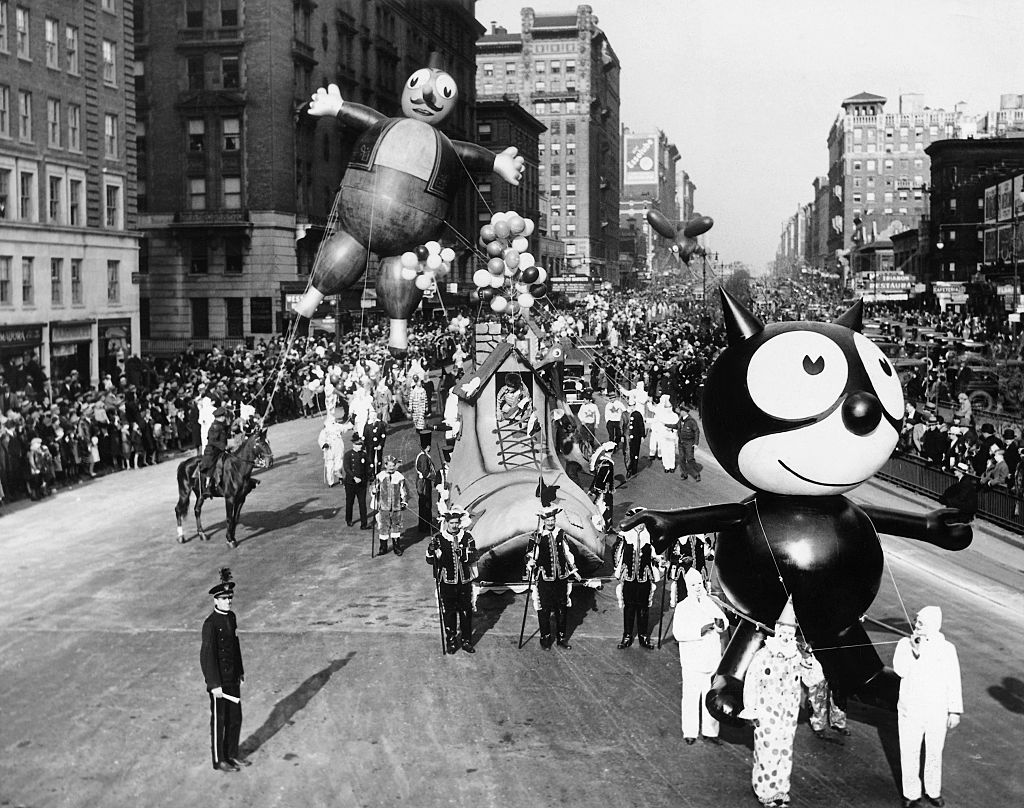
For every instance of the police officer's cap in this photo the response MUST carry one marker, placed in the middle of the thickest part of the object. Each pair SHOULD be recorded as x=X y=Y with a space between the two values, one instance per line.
x=226 y=585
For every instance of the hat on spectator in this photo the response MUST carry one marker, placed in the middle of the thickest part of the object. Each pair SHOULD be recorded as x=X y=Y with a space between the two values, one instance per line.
x=987 y=429
x=1009 y=434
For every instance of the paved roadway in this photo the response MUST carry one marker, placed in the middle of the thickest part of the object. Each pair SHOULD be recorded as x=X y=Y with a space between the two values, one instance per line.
x=348 y=701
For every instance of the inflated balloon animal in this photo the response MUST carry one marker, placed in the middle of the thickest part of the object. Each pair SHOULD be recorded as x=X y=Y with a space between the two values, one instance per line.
x=802 y=412
x=397 y=189
x=684 y=239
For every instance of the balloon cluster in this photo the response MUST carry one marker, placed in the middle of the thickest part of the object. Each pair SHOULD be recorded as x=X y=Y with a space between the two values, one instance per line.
x=512 y=277
x=426 y=263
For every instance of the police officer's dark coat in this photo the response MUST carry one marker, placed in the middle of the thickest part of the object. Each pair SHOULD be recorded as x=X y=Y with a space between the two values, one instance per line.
x=221 y=655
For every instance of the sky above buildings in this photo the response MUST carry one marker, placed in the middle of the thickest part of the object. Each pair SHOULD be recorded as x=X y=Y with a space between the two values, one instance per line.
x=748 y=89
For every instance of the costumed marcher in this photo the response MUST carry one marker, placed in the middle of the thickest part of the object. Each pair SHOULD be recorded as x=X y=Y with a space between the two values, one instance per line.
x=602 y=489
x=664 y=426
x=374 y=436
x=637 y=568
x=221 y=660
x=613 y=412
x=697 y=626
x=771 y=698
x=687 y=552
x=930 y=703
x=216 y=447
x=389 y=497
x=425 y=489
x=636 y=429
x=589 y=417
x=824 y=710
x=452 y=552
x=689 y=437
x=332 y=442
x=357 y=472
x=548 y=553
x=419 y=406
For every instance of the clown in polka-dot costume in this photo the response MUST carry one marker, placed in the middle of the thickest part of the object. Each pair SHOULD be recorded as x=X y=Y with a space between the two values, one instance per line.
x=771 y=698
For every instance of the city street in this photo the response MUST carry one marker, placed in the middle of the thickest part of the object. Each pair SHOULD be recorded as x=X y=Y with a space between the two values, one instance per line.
x=348 y=700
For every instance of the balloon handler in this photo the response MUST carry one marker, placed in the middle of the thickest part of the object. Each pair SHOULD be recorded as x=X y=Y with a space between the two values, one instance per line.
x=397 y=190
x=802 y=412
x=452 y=552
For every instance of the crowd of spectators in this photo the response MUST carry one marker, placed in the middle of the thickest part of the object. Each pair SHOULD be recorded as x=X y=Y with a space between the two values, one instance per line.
x=54 y=433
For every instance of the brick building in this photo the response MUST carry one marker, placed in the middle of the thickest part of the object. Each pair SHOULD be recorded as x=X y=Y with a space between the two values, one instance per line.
x=68 y=246
x=566 y=73
x=236 y=181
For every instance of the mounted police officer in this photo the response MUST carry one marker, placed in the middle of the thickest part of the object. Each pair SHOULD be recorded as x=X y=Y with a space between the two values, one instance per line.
x=216 y=446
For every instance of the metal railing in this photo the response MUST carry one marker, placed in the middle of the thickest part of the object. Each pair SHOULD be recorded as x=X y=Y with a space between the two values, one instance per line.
x=998 y=506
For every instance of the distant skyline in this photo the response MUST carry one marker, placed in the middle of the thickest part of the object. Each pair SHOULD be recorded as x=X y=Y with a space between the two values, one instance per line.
x=748 y=90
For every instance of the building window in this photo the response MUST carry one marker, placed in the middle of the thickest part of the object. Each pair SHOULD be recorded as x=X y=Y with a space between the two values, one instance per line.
x=108 y=5
x=538 y=86
x=233 y=256
x=196 y=75
x=21 y=32
x=571 y=107
x=234 y=327
x=193 y=13
x=5 y=193
x=199 y=263
x=261 y=315
x=109 y=63
x=27 y=196
x=483 y=130
x=232 y=129
x=232 y=193
x=229 y=75
x=510 y=68
x=196 y=134
x=540 y=108
x=76 y=281
x=570 y=65
x=112 y=206
x=145 y=319
x=570 y=209
x=113 y=281
x=74 y=128
x=53 y=123
x=488 y=69
x=28 y=286
x=50 y=35
x=71 y=49
x=57 y=281
x=110 y=136
x=5 y=111
x=200 y=317
x=24 y=115
x=4 y=41
x=55 y=192
x=5 y=280
x=229 y=13
x=196 y=193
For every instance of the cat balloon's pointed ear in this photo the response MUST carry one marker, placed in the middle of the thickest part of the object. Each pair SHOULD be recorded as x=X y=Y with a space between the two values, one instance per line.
x=740 y=324
x=853 y=318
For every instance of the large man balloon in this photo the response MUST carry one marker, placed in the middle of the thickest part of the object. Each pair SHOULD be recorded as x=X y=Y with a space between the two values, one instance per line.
x=397 y=189
x=802 y=412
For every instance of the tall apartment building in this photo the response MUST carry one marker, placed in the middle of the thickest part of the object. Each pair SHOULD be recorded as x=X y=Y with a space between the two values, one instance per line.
x=68 y=250
x=648 y=179
x=878 y=167
x=1007 y=121
x=564 y=71
x=685 y=192
x=236 y=181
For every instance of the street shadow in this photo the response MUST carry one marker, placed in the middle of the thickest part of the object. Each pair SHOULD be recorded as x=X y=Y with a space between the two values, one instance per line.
x=1010 y=694
x=269 y=521
x=490 y=606
x=283 y=712
x=584 y=600
x=282 y=460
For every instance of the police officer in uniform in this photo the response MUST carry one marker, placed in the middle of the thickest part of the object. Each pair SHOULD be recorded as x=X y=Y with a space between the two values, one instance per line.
x=216 y=445
x=355 y=468
x=221 y=661
x=636 y=567
x=452 y=551
x=548 y=553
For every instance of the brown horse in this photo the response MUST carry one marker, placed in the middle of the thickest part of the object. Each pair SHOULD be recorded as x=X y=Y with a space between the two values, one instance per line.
x=232 y=480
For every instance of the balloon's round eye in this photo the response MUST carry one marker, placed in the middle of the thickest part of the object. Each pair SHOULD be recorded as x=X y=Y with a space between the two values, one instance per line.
x=421 y=76
x=446 y=86
x=882 y=374
x=797 y=374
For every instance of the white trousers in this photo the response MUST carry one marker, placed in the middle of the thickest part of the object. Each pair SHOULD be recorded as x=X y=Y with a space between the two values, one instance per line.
x=693 y=706
x=932 y=730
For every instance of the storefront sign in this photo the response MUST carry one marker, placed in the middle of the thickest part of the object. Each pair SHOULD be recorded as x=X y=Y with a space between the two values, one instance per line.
x=70 y=332
x=1005 y=200
x=12 y=335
